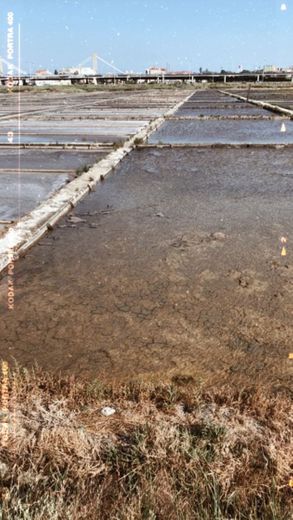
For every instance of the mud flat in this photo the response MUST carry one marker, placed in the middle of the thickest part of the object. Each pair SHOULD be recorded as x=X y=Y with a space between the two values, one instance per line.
x=173 y=266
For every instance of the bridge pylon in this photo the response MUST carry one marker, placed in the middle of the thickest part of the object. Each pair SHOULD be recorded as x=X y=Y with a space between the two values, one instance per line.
x=95 y=62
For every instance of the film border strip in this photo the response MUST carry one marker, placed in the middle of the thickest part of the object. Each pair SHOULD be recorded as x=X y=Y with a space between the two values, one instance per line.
x=4 y=425
x=10 y=55
x=7 y=421
x=4 y=402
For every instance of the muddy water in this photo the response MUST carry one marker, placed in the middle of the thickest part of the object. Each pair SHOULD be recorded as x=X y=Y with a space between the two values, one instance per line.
x=19 y=196
x=232 y=131
x=103 y=131
x=277 y=96
x=64 y=139
x=175 y=268
x=21 y=192
x=223 y=110
x=64 y=118
x=52 y=159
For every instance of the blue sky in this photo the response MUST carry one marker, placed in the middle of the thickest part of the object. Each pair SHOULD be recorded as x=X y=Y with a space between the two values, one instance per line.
x=134 y=34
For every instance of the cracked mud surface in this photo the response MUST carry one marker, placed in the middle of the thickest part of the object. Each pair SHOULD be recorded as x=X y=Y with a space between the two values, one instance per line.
x=172 y=267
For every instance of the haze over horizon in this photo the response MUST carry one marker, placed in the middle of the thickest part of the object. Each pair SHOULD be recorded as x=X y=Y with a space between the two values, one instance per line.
x=134 y=34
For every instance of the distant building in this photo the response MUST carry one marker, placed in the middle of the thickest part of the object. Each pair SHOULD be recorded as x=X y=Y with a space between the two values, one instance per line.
x=43 y=72
x=156 y=71
x=77 y=71
x=271 y=68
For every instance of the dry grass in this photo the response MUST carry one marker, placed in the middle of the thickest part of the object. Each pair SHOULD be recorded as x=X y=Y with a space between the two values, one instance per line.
x=171 y=451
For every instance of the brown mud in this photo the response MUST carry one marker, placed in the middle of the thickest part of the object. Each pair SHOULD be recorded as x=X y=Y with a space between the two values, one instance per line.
x=172 y=267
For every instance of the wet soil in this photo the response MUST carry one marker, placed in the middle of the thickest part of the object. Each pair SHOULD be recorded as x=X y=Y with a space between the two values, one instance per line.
x=174 y=268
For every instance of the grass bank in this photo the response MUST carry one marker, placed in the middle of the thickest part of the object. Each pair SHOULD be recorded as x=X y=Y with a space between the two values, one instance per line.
x=170 y=451
x=98 y=88
x=125 y=87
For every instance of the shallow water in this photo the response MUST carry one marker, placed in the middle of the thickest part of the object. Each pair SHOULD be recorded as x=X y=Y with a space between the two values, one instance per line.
x=21 y=194
x=219 y=131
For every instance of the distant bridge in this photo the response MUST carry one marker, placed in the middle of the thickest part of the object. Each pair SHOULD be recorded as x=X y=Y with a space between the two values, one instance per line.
x=118 y=76
x=147 y=78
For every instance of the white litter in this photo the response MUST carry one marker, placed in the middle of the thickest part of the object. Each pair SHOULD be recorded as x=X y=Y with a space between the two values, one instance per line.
x=107 y=411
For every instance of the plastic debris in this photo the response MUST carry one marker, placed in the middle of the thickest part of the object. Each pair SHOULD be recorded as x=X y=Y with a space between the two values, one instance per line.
x=107 y=411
